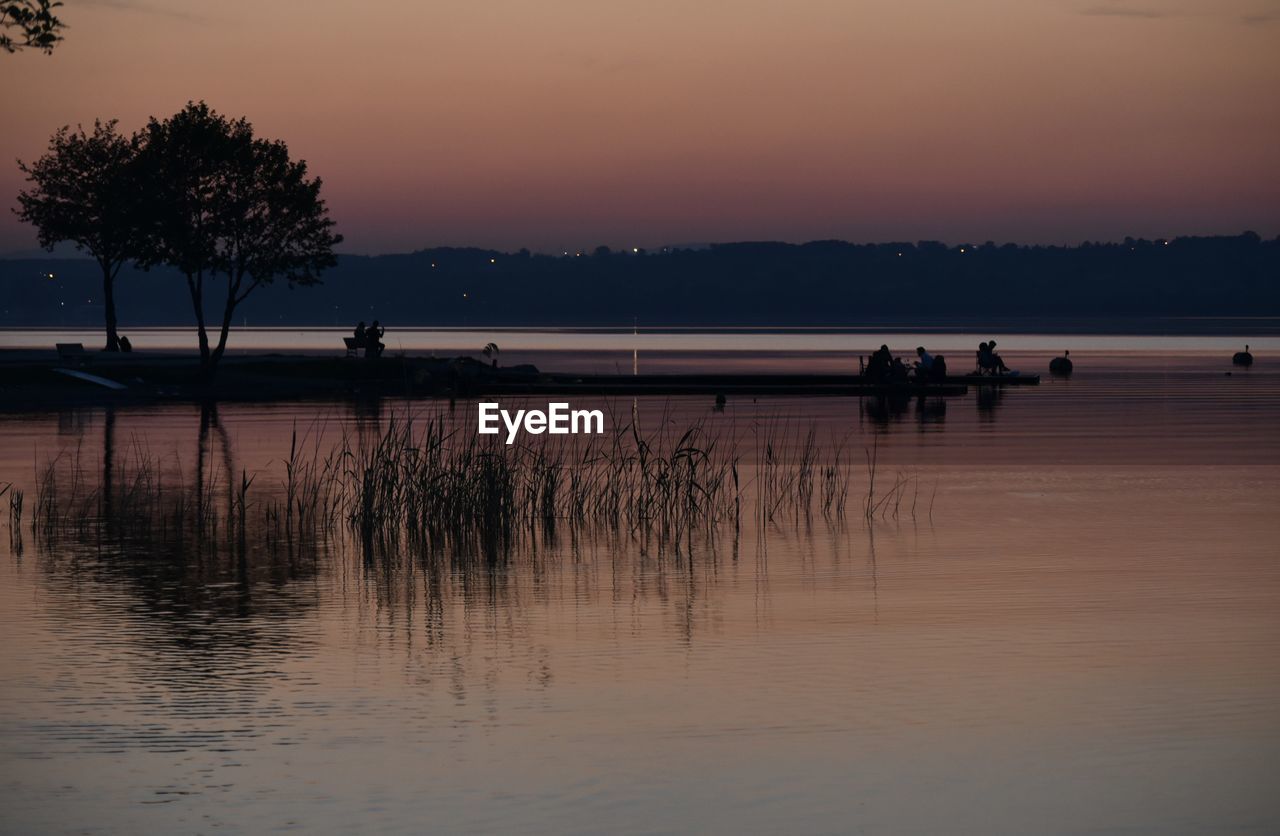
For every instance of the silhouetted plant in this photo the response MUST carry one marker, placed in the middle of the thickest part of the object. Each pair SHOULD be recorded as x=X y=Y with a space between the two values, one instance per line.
x=424 y=488
x=224 y=203
x=33 y=23
x=85 y=190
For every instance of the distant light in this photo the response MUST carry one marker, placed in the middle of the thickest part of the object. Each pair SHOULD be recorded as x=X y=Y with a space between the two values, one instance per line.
x=635 y=249
x=493 y=261
x=962 y=249
x=433 y=264
x=464 y=296
x=899 y=255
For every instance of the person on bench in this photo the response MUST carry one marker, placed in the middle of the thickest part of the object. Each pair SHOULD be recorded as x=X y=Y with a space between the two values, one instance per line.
x=357 y=340
x=373 y=341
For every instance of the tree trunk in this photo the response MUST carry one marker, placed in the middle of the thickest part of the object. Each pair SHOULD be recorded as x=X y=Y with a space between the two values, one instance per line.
x=228 y=311
x=196 y=286
x=109 y=300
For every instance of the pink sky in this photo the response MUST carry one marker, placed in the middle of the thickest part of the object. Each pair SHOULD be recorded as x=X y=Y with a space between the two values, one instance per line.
x=561 y=124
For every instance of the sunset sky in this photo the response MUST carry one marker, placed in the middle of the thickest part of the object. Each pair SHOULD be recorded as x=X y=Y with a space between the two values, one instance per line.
x=561 y=124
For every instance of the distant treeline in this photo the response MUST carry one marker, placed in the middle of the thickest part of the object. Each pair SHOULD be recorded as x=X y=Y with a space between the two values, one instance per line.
x=819 y=283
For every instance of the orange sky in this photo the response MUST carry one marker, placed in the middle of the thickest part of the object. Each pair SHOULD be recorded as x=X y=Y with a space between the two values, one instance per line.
x=559 y=124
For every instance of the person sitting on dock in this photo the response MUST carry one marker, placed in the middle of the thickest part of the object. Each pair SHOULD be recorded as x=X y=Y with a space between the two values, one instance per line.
x=898 y=371
x=930 y=369
x=373 y=341
x=999 y=363
x=924 y=363
x=938 y=371
x=879 y=364
x=989 y=361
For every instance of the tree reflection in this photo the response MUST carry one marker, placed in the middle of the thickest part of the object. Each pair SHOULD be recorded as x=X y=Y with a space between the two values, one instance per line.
x=163 y=536
x=437 y=535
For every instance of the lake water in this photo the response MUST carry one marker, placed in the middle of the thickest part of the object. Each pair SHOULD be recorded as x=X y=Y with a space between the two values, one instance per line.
x=1077 y=630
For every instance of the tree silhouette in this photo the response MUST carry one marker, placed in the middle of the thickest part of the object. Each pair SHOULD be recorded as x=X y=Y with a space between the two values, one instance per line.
x=223 y=203
x=34 y=22
x=86 y=191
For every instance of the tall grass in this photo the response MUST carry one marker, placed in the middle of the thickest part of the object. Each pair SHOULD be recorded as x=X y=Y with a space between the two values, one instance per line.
x=422 y=487
x=16 y=499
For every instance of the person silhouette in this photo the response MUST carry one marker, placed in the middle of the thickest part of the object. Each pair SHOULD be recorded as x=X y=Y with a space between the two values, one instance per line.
x=373 y=340
x=988 y=360
x=997 y=363
x=880 y=365
x=924 y=365
x=938 y=371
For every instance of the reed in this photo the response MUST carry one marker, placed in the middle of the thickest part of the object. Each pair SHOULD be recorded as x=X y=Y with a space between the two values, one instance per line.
x=420 y=487
x=889 y=503
x=16 y=498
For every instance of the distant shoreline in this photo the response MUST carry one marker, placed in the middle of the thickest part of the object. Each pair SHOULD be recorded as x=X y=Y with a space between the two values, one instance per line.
x=1094 y=287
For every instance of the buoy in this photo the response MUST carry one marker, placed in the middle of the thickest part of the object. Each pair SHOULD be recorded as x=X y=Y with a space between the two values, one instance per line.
x=1061 y=366
x=1242 y=358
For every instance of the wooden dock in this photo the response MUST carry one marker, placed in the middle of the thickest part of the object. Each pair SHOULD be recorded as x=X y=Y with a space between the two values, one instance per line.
x=707 y=384
x=30 y=380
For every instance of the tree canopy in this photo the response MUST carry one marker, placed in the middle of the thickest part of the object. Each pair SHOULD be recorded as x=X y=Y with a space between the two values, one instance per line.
x=223 y=203
x=85 y=190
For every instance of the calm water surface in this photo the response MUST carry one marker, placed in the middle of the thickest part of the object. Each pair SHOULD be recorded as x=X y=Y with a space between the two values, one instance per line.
x=1081 y=636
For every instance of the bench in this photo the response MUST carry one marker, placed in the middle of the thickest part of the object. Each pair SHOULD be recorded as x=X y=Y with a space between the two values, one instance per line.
x=353 y=346
x=72 y=354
